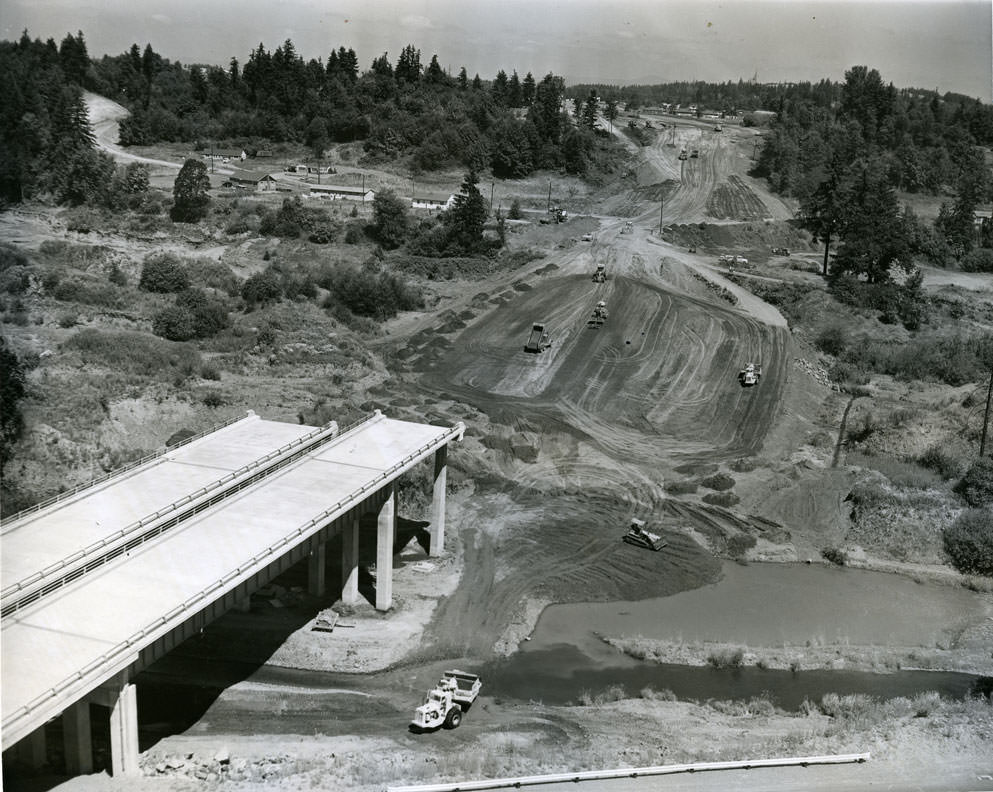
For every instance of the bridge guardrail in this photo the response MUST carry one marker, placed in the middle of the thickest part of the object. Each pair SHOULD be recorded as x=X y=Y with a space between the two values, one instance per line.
x=255 y=561
x=632 y=772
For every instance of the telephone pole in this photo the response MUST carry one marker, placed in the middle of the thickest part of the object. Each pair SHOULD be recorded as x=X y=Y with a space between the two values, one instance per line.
x=986 y=418
x=661 y=204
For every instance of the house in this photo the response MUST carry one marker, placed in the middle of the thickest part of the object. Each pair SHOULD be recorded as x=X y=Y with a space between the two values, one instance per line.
x=980 y=216
x=439 y=202
x=334 y=192
x=225 y=155
x=256 y=181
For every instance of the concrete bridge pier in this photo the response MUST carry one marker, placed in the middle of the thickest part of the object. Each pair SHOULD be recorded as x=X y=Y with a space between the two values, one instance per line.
x=121 y=695
x=438 y=501
x=32 y=751
x=77 y=738
x=350 y=562
x=316 y=578
x=385 y=535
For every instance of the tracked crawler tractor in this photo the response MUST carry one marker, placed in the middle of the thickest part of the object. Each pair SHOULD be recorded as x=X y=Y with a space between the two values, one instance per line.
x=637 y=535
x=599 y=315
x=600 y=276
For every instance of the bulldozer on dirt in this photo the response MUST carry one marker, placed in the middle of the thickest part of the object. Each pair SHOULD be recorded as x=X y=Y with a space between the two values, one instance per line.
x=446 y=702
x=683 y=155
x=600 y=276
x=637 y=535
x=750 y=375
x=599 y=315
x=538 y=341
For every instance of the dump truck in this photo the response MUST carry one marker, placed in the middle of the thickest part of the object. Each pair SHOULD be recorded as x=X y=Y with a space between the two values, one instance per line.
x=780 y=251
x=600 y=276
x=694 y=154
x=639 y=536
x=599 y=315
x=538 y=341
x=445 y=703
x=749 y=375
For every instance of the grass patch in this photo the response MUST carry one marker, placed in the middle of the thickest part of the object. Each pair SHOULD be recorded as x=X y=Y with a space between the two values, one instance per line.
x=134 y=353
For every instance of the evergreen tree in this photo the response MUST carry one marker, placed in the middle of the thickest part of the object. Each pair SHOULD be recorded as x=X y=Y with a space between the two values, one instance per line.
x=12 y=391
x=463 y=79
x=527 y=90
x=389 y=219
x=466 y=218
x=190 y=198
x=514 y=93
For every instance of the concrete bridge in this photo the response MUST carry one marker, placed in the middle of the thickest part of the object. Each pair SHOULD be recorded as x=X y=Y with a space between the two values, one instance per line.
x=103 y=580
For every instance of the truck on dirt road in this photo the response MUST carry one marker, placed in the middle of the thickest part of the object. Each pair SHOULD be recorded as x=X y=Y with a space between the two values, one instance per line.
x=538 y=341
x=600 y=276
x=446 y=702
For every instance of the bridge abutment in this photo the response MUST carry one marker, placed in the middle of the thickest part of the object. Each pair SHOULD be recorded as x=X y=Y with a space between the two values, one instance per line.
x=122 y=697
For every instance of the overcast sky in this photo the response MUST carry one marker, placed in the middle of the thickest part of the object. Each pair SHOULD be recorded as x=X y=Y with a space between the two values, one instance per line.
x=943 y=44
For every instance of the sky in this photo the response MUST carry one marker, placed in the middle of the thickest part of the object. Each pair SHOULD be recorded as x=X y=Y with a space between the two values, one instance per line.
x=942 y=44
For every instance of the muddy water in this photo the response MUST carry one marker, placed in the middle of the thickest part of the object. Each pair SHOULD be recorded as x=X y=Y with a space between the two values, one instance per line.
x=773 y=604
x=755 y=605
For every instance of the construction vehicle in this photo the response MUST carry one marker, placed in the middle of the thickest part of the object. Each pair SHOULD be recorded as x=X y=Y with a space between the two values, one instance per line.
x=599 y=315
x=558 y=215
x=538 y=341
x=780 y=251
x=694 y=154
x=637 y=535
x=588 y=237
x=749 y=375
x=683 y=155
x=718 y=128
x=600 y=276
x=446 y=702
x=627 y=228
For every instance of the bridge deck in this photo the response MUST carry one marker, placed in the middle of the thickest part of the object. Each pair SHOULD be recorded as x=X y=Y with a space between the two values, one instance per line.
x=99 y=512
x=89 y=622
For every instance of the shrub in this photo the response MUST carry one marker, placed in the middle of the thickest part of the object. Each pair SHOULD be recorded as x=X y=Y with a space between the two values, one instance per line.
x=380 y=295
x=514 y=213
x=194 y=315
x=740 y=543
x=835 y=555
x=978 y=260
x=684 y=487
x=14 y=280
x=262 y=288
x=726 y=658
x=969 y=542
x=86 y=291
x=940 y=461
x=213 y=398
x=163 y=273
x=976 y=485
x=832 y=340
x=719 y=481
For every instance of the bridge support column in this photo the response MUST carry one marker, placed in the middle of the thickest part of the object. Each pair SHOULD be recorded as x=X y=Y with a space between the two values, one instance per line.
x=123 y=726
x=315 y=570
x=33 y=749
x=385 y=532
x=438 y=501
x=77 y=739
x=350 y=563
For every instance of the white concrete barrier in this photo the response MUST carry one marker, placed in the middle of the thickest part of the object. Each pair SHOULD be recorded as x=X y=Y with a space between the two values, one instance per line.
x=631 y=772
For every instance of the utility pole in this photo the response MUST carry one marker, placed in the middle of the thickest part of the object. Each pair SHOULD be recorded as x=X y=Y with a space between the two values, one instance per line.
x=986 y=418
x=661 y=204
x=363 y=188
x=492 y=185
x=549 y=195
x=212 y=156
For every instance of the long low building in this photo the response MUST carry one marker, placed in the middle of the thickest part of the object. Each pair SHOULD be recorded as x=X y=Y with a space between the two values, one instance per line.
x=106 y=580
